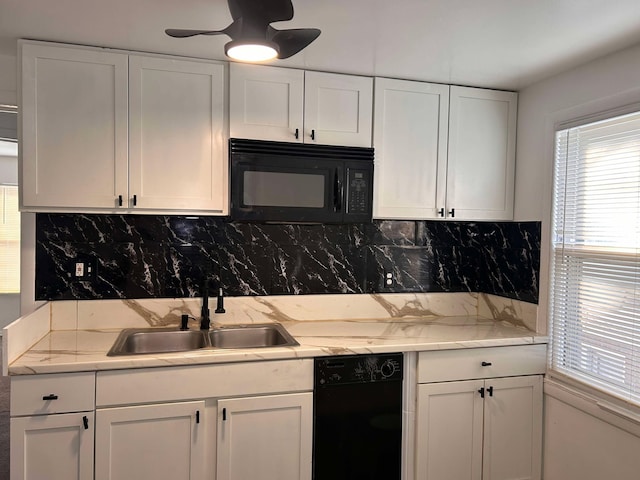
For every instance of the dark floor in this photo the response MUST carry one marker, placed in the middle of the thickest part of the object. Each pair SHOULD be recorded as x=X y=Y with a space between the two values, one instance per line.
x=4 y=423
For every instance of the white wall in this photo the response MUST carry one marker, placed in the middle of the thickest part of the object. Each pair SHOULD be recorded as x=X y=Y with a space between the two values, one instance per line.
x=8 y=80
x=577 y=445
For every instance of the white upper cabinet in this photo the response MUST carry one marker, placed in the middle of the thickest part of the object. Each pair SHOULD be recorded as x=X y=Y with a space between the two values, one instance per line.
x=410 y=137
x=338 y=109
x=266 y=103
x=482 y=149
x=279 y=104
x=74 y=127
x=177 y=143
x=111 y=132
x=443 y=152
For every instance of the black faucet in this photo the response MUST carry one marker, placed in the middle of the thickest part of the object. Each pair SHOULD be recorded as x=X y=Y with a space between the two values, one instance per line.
x=205 y=321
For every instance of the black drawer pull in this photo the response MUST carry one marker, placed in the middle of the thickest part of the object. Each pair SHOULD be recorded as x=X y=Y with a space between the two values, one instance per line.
x=85 y=422
x=51 y=396
x=486 y=364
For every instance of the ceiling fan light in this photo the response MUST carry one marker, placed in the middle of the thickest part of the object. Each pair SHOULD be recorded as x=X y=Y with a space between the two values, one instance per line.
x=249 y=51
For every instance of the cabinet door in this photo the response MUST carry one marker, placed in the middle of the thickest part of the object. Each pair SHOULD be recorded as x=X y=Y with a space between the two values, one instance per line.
x=266 y=103
x=55 y=447
x=266 y=437
x=74 y=128
x=449 y=431
x=513 y=429
x=151 y=442
x=177 y=147
x=482 y=134
x=338 y=109
x=410 y=138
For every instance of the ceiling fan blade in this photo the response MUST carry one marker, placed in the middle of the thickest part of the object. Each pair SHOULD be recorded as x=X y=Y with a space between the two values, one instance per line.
x=266 y=10
x=293 y=40
x=181 y=33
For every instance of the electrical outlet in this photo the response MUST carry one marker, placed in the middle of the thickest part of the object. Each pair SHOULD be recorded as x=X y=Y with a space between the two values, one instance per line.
x=84 y=269
x=389 y=280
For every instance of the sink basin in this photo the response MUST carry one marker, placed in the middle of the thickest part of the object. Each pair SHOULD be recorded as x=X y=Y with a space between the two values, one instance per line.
x=135 y=341
x=251 y=336
x=157 y=340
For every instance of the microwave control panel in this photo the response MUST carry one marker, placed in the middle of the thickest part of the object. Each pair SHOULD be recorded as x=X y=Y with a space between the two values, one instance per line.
x=358 y=191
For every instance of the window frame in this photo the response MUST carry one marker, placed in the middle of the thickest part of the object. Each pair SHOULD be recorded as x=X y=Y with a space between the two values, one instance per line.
x=565 y=375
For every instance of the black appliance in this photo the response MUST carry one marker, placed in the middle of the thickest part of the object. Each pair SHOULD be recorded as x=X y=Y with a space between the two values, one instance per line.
x=292 y=182
x=358 y=417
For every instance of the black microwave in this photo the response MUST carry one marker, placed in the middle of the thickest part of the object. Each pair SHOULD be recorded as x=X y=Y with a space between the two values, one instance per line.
x=300 y=183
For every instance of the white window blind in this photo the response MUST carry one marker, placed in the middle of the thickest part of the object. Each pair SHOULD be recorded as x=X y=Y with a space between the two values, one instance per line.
x=9 y=240
x=595 y=271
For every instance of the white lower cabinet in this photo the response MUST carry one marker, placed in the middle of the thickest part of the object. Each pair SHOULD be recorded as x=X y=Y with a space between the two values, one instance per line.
x=163 y=441
x=52 y=427
x=248 y=420
x=55 y=447
x=265 y=437
x=482 y=428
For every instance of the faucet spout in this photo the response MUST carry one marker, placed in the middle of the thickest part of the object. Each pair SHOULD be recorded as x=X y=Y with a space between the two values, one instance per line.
x=205 y=321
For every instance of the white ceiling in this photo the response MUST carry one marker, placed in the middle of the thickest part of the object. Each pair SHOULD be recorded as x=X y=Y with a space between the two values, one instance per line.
x=505 y=44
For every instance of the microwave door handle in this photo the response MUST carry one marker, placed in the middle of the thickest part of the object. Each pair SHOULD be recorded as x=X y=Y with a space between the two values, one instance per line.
x=337 y=193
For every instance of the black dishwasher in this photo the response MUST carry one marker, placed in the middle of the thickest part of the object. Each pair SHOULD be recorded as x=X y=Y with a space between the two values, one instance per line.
x=358 y=417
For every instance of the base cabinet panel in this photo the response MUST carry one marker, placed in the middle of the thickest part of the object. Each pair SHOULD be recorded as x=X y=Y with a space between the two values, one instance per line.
x=52 y=447
x=513 y=429
x=151 y=442
x=480 y=429
x=265 y=437
x=450 y=431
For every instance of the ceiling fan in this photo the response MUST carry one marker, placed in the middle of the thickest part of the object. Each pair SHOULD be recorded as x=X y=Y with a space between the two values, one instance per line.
x=252 y=36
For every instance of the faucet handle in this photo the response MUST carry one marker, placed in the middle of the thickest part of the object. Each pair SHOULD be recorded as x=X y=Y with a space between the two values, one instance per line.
x=220 y=303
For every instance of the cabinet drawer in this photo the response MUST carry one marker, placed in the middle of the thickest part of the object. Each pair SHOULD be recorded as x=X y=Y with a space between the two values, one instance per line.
x=178 y=383
x=448 y=365
x=57 y=393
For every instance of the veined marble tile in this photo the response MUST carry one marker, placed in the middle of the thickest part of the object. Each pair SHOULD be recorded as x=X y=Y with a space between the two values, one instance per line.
x=508 y=310
x=103 y=314
x=64 y=315
x=20 y=335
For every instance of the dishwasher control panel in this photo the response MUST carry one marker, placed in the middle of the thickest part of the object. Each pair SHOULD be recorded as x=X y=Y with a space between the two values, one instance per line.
x=350 y=369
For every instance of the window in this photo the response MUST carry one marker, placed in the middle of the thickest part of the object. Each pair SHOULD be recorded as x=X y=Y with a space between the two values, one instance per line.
x=9 y=240
x=595 y=265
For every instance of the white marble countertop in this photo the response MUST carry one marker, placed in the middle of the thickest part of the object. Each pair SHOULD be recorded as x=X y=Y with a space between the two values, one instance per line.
x=85 y=350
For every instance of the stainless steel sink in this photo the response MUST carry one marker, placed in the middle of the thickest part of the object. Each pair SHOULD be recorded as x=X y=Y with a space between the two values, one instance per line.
x=135 y=341
x=251 y=336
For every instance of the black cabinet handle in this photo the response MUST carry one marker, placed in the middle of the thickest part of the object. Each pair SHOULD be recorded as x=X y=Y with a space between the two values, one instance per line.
x=313 y=134
x=85 y=422
x=119 y=200
x=490 y=390
x=297 y=134
x=486 y=364
x=224 y=414
x=51 y=396
x=481 y=392
x=441 y=212
x=135 y=200
x=197 y=416
x=337 y=193
x=452 y=212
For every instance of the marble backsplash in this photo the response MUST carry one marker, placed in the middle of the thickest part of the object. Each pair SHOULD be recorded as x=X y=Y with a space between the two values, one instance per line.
x=144 y=256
